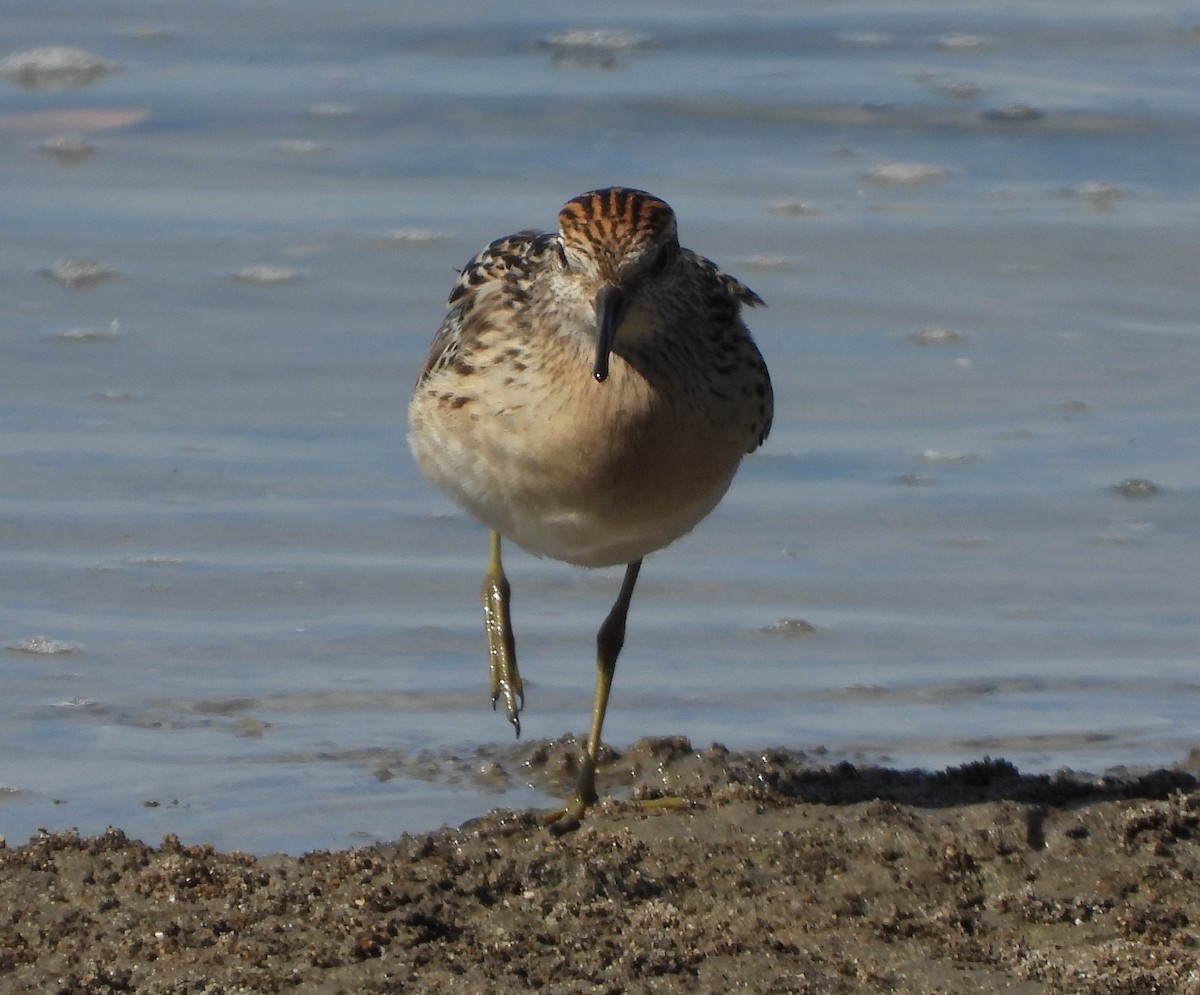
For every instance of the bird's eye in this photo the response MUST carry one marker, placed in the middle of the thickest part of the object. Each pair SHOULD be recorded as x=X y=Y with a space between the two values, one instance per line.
x=662 y=260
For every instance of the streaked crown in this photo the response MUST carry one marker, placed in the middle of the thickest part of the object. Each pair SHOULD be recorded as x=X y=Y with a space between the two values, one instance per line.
x=617 y=228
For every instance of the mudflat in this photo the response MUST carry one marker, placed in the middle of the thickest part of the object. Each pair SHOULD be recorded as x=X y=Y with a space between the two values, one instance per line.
x=758 y=873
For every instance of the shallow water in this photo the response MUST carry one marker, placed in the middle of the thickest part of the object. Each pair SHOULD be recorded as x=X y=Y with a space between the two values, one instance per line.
x=976 y=229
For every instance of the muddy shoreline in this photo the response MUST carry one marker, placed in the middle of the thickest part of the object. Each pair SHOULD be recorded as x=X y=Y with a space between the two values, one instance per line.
x=778 y=876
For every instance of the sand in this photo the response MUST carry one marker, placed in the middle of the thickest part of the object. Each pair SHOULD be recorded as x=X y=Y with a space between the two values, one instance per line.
x=779 y=875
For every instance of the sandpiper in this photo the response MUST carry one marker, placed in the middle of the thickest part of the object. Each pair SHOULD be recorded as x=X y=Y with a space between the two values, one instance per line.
x=589 y=396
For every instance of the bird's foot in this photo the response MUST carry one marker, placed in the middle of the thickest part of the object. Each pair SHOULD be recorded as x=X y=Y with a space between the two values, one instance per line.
x=568 y=818
x=502 y=650
x=669 y=803
x=507 y=687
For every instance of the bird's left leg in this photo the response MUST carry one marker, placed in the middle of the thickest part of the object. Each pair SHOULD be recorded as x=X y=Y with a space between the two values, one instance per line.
x=609 y=641
x=502 y=651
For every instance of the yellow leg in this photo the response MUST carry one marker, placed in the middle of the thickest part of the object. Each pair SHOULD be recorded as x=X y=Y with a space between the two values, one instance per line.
x=502 y=651
x=609 y=641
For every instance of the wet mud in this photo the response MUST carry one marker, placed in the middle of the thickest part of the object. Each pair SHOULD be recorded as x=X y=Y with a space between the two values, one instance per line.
x=723 y=872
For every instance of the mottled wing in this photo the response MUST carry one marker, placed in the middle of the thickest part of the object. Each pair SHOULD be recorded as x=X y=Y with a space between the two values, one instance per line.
x=725 y=296
x=730 y=284
x=768 y=398
x=508 y=261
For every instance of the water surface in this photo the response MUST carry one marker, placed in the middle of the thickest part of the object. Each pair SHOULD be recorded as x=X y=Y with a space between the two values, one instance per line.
x=232 y=610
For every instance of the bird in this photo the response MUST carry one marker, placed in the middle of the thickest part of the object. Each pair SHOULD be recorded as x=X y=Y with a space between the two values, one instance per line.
x=589 y=397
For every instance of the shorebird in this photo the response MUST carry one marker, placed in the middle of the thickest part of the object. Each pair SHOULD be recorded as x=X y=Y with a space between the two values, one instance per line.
x=588 y=396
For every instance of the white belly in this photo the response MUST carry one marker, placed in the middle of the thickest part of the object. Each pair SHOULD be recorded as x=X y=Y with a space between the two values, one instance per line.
x=603 y=481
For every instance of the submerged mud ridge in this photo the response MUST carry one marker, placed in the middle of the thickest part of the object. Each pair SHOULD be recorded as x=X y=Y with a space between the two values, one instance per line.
x=777 y=877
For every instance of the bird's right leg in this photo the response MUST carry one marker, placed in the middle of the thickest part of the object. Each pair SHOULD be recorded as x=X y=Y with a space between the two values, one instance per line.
x=502 y=651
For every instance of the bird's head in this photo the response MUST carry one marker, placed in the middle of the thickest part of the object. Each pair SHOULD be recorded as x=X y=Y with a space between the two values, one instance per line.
x=615 y=239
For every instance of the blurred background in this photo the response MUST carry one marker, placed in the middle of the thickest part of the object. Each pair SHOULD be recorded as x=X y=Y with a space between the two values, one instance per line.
x=231 y=609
